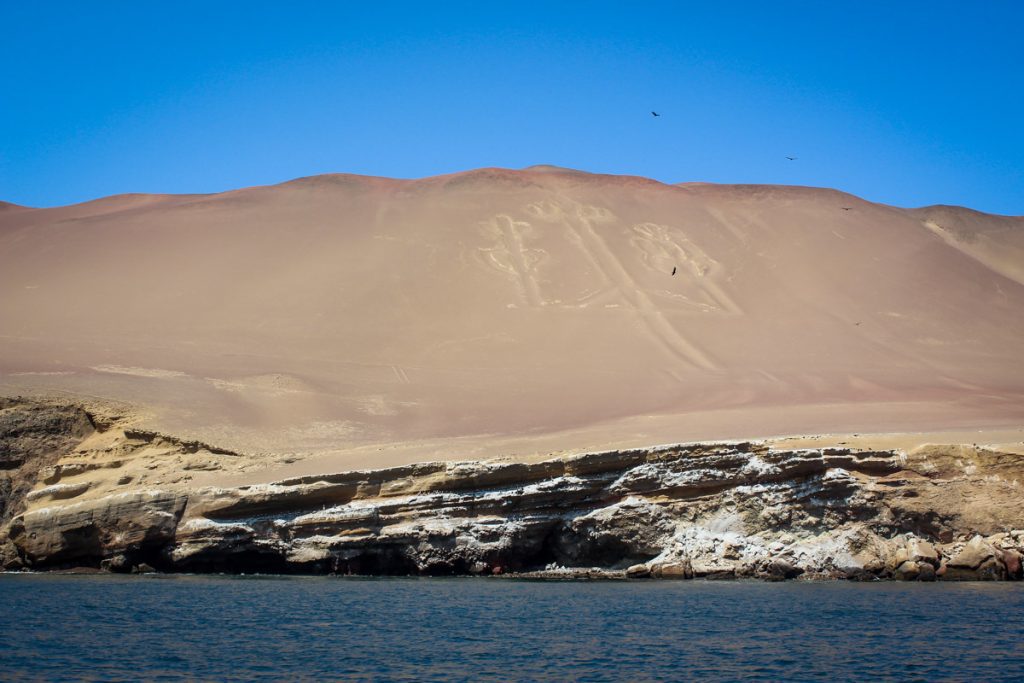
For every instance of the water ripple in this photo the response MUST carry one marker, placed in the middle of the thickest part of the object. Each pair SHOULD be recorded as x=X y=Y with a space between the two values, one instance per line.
x=268 y=628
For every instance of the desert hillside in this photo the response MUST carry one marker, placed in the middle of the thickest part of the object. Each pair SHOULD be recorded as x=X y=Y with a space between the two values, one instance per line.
x=373 y=321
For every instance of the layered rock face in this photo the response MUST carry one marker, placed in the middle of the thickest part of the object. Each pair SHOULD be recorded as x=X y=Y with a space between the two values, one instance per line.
x=32 y=438
x=705 y=510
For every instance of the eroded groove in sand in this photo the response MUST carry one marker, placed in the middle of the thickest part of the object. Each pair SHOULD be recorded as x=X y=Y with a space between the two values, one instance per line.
x=662 y=247
x=614 y=270
x=511 y=255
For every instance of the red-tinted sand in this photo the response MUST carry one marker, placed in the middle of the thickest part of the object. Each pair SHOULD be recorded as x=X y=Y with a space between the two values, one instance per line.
x=509 y=312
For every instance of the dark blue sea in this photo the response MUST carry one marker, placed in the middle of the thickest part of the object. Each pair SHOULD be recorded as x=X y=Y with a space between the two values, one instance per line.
x=61 y=627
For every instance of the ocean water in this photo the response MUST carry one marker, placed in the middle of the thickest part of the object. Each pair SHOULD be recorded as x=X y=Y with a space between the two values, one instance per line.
x=61 y=627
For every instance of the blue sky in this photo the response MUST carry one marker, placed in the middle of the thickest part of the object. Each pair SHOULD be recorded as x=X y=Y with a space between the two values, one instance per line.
x=907 y=103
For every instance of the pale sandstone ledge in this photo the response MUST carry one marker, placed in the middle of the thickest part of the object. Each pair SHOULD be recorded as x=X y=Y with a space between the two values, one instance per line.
x=81 y=489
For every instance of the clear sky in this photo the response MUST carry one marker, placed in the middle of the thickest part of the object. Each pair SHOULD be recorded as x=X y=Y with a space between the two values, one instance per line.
x=908 y=103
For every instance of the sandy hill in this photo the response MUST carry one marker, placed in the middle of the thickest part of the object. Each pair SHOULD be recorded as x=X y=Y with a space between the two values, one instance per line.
x=371 y=320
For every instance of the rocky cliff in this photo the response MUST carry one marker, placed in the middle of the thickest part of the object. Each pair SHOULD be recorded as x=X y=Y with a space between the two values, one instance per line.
x=77 y=491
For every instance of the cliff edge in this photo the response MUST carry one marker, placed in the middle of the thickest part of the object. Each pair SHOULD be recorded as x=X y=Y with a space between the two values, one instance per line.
x=81 y=498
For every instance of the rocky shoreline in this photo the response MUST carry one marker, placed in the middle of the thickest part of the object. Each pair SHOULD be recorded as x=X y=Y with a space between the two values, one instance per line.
x=711 y=511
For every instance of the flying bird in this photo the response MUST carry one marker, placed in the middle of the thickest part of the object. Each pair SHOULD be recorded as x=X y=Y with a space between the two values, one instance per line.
x=846 y=208
x=673 y=270
x=791 y=158
x=654 y=113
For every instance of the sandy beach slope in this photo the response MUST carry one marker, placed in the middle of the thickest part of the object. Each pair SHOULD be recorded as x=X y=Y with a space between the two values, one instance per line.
x=341 y=321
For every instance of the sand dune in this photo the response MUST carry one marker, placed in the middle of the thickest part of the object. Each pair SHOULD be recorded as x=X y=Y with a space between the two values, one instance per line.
x=506 y=312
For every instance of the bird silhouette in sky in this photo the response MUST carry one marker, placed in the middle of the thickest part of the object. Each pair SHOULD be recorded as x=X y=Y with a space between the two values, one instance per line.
x=654 y=113
x=791 y=158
